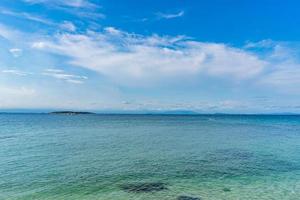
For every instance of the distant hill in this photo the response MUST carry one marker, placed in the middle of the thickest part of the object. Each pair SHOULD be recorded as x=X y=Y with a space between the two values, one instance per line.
x=179 y=112
x=70 y=113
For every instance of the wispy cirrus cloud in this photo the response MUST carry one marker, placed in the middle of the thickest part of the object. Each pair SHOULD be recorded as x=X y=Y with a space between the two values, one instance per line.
x=64 y=25
x=170 y=15
x=67 y=26
x=16 y=52
x=9 y=33
x=27 y=16
x=62 y=75
x=15 y=72
x=68 y=3
x=80 y=8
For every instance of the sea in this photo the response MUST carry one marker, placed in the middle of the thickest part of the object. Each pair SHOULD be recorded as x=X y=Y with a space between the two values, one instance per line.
x=149 y=157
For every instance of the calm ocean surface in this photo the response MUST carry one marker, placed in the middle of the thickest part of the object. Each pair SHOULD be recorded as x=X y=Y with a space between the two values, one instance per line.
x=149 y=157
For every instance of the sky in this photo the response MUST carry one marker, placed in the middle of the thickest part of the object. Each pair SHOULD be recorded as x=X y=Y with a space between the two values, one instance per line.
x=210 y=56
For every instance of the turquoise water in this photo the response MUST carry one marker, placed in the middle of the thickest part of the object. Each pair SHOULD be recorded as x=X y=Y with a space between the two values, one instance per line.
x=101 y=156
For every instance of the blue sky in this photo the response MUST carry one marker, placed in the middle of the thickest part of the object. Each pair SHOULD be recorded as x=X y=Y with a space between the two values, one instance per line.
x=232 y=56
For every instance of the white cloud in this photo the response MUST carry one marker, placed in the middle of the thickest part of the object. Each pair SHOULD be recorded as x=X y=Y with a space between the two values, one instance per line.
x=65 y=25
x=9 y=33
x=69 y=3
x=126 y=57
x=283 y=71
x=90 y=15
x=68 y=26
x=54 y=71
x=39 y=45
x=61 y=75
x=27 y=16
x=260 y=44
x=170 y=15
x=16 y=52
x=286 y=78
x=79 y=8
x=15 y=72
x=113 y=31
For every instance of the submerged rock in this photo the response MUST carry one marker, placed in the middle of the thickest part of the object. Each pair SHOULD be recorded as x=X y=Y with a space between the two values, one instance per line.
x=226 y=189
x=188 y=198
x=144 y=187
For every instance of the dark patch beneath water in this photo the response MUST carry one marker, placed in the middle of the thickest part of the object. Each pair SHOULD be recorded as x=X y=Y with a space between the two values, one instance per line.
x=144 y=187
x=188 y=198
x=236 y=162
x=226 y=190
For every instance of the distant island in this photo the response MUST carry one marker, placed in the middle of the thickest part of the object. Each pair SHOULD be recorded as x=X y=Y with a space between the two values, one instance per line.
x=70 y=113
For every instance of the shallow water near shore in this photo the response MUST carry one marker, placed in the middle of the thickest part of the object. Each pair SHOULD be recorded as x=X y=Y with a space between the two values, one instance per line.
x=149 y=157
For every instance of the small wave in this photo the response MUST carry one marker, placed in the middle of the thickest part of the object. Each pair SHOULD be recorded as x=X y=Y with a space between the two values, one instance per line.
x=6 y=137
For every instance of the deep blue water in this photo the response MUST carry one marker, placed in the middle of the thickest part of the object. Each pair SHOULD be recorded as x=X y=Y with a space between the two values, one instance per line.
x=210 y=157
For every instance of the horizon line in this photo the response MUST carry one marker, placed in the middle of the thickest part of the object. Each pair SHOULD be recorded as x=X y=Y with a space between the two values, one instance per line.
x=154 y=113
